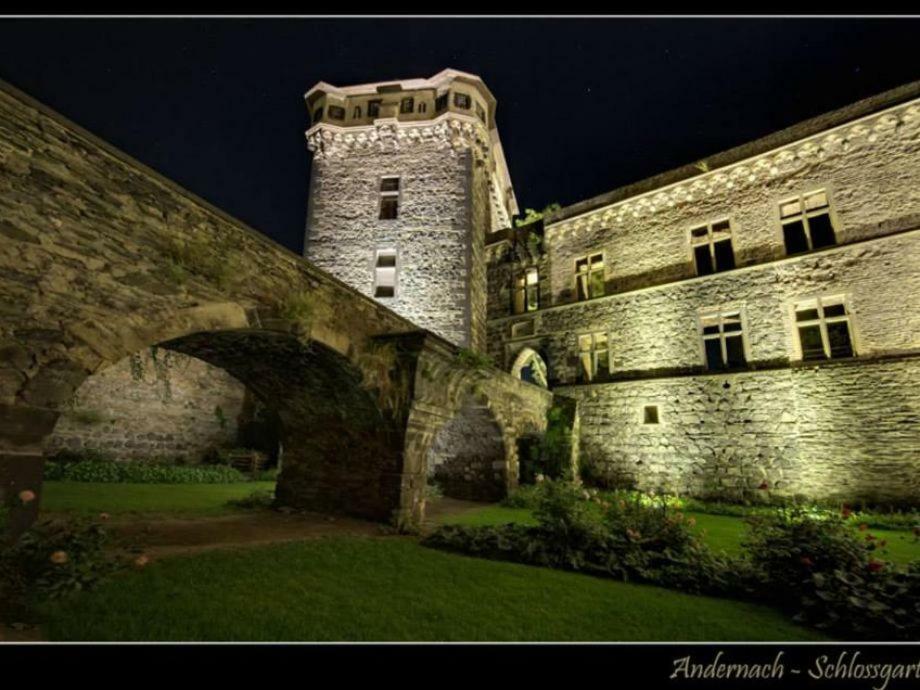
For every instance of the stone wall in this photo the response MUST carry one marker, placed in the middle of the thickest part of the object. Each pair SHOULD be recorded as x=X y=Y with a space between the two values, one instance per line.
x=443 y=214
x=844 y=431
x=134 y=412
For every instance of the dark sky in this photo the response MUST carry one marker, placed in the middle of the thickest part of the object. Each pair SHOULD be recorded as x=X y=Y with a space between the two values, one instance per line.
x=583 y=105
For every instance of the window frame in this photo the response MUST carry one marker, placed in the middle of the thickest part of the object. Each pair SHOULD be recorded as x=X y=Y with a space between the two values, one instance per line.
x=389 y=194
x=603 y=270
x=644 y=426
x=386 y=251
x=460 y=95
x=721 y=314
x=819 y=302
x=525 y=288
x=332 y=107
x=373 y=107
x=804 y=214
x=693 y=244
x=403 y=109
x=595 y=354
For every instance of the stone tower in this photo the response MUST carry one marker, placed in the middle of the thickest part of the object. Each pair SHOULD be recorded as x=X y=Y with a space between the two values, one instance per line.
x=408 y=178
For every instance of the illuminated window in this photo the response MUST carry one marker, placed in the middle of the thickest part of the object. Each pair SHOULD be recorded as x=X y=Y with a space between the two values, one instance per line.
x=594 y=356
x=589 y=277
x=389 y=198
x=723 y=340
x=407 y=105
x=385 y=273
x=807 y=222
x=712 y=248
x=823 y=324
x=526 y=291
x=440 y=103
x=336 y=112
x=461 y=100
x=373 y=108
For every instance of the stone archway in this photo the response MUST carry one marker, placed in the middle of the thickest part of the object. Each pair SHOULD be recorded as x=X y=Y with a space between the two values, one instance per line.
x=467 y=458
x=530 y=366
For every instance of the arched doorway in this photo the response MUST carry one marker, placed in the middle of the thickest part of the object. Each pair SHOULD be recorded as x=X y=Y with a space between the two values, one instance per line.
x=529 y=366
x=467 y=458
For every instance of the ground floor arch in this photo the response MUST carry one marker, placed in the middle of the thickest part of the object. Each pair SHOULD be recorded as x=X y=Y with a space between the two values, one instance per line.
x=530 y=366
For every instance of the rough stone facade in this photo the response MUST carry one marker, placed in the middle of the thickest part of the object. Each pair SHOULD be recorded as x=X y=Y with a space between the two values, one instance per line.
x=775 y=426
x=169 y=407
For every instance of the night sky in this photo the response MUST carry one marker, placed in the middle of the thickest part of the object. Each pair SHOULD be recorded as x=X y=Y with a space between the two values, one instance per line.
x=584 y=106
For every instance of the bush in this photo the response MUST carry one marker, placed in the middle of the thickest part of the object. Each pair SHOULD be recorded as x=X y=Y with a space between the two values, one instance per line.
x=832 y=578
x=257 y=500
x=141 y=473
x=51 y=560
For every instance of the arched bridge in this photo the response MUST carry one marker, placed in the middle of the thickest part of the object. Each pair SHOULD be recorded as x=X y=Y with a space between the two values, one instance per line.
x=102 y=257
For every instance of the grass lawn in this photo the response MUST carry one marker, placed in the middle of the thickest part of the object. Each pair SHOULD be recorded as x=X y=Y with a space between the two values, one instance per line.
x=90 y=498
x=353 y=588
x=722 y=532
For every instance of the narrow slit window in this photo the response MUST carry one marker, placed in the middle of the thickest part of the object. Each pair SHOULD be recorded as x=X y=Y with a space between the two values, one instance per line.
x=385 y=273
x=422 y=107
x=356 y=113
x=723 y=340
x=807 y=223
x=440 y=103
x=594 y=357
x=527 y=290
x=650 y=414
x=407 y=105
x=373 y=108
x=712 y=248
x=389 y=198
x=589 y=277
x=823 y=325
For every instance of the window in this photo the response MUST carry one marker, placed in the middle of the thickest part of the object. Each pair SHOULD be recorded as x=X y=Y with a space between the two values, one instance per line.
x=823 y=324
x=522 y=329
x=589 y=277
x=461 y=100
x=594 y=356
x=723 y=340
x=712 y=248
x=373 y=108
x=336 y=112
x=526 y=291
x=385 y=273
x=422 y=107
x=440 y=103
x=356 y=113
x=480 y=113
x=650 y=414
x=389 y=198
x=807 y=223
x=317 y=115
x=407 y=105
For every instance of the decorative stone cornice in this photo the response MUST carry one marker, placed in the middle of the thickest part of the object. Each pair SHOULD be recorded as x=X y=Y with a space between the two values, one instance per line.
x=447 y=131
x=901 y=121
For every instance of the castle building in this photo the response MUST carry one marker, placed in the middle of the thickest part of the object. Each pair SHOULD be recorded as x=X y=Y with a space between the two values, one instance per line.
x=742 y=327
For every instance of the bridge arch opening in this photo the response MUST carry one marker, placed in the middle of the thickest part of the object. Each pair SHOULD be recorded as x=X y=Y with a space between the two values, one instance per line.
x=467 y=458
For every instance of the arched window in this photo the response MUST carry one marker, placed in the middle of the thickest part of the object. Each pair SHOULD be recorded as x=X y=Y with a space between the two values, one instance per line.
x=529 y=366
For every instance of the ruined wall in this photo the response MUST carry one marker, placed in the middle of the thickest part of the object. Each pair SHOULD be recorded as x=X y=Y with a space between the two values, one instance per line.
x=443 y=214
x=174 y=407
x=845 y=431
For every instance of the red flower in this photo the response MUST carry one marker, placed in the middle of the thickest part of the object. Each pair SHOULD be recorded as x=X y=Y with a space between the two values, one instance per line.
x=807 y=562
x=875 y=566
x=763 y=485
x=846 y=512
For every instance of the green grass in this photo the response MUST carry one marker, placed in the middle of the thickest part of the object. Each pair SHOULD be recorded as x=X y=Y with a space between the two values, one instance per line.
x=722 y=532
x=366 y=589
x=88 y=498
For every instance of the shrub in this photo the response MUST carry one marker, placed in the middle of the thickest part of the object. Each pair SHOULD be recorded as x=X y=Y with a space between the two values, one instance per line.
x=141 y=473
x=51 y=560
x=269 y=475
x=831 y=577
x=255 y=501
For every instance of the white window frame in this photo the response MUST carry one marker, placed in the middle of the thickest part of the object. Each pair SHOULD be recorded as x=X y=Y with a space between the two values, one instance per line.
x=819 y=302
x=804 y=214
x=694 y=242
x=526 y=289
x=720 y=314
x=595 y=354
x=603 y=269
x=640 y=415
x=397 y=193
x=386 y=251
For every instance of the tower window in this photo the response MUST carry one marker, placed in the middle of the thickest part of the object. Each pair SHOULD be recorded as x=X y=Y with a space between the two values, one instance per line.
x=461 y=100
x=526 y=291
x=593 y=356
x=723 y=340
x=389 y=198
x=823 y=324
x=336 y=112
x=807 y=223
x=385 y=273
x=407 y=105
x=422 y=107
x=317 y=115
x=589 y=277
x=373 y=108
x=356 y=113
x=440 y=103
x=712 y=248
x=650 y=414
x=481 y=113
